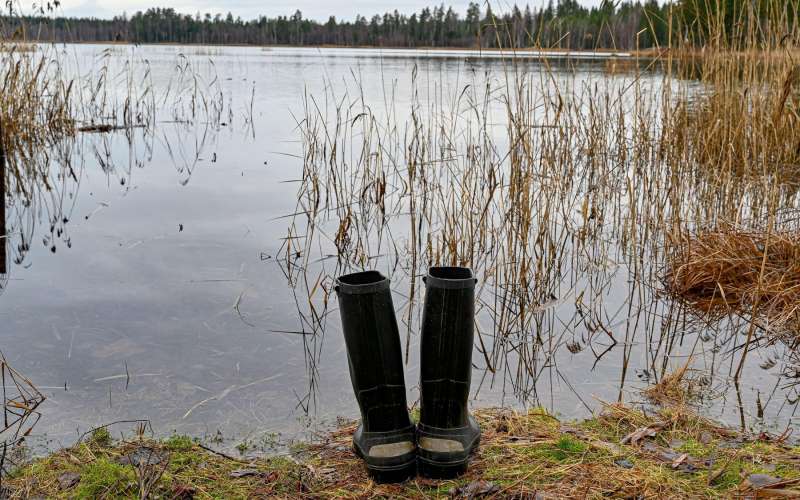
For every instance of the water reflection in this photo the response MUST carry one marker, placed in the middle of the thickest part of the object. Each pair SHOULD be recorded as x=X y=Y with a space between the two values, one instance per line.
x=191 y=281
x=3 y=232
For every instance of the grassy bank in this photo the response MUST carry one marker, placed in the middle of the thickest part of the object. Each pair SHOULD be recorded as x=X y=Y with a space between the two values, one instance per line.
x=622 y=452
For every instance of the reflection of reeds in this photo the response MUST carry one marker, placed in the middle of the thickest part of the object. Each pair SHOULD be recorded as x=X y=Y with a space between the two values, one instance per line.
x=20 y=401
x=45 y=106
x=3 y=232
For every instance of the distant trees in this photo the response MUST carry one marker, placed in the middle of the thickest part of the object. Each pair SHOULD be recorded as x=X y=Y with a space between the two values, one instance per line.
x=734 y=21
x=560 y=23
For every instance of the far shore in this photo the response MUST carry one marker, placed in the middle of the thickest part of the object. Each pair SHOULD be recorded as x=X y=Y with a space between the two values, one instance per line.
x=565 y=52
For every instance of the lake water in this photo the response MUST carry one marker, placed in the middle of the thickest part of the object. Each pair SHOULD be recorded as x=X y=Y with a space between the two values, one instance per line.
x=165 y=295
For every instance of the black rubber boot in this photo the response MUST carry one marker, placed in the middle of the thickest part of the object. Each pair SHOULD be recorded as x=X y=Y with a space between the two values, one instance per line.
x=447 y=434
x=385 y=438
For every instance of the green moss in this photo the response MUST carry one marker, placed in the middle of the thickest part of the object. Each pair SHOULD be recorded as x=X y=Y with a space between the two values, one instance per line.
x=565 y=449
x=570 y=445
x=757 y=448
x=730 y=478
x=103 y=478
x=179 y=443
x=696 y=449
x=101 y=437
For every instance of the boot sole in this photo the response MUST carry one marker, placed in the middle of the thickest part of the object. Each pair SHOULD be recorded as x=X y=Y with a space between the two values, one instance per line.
x=396 y=474
x=389 y=473
x=441 y=470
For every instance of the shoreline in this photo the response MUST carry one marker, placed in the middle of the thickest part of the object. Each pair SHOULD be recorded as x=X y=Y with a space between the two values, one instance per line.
x=622 y=452
x=524 y=51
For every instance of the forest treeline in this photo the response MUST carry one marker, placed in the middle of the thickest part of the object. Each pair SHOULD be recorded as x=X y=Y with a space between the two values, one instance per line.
x=625 y=25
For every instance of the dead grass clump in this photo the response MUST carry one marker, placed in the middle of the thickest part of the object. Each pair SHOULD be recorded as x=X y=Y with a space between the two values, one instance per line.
x=752 y=274
x=675 y=388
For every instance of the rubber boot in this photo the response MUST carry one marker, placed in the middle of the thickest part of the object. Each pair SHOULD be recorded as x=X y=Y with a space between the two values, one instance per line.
x=385 y=438
x=447 y=434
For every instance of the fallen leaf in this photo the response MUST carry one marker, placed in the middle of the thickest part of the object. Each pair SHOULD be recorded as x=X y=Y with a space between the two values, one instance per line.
x=756 y=481
x=68 y=480
x=183 y=492
x=610 y=447
x=679 y=461
x=639 y=434
x=475 y=489
x=712 y=478
x=143 y=456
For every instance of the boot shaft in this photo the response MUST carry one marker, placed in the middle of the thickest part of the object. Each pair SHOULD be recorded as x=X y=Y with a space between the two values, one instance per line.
x=373 y=350
x=446 y=346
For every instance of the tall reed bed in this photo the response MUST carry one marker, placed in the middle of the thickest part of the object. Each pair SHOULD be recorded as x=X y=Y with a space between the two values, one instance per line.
x=566 y=190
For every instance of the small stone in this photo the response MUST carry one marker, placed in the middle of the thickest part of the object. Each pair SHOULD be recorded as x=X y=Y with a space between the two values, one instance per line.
x=757 y=481
x=625 y=464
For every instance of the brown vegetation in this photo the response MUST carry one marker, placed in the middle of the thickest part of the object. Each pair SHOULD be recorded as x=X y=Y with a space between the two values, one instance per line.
x=730 y=271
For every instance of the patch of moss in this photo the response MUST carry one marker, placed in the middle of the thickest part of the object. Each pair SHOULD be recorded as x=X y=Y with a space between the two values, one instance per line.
x=101 y=437
x=696 y=448
x=179 y=443
x=103 y=478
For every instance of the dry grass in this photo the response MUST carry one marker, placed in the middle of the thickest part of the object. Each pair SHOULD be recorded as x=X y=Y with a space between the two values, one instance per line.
x=746 y=273
x=676 y=388
x=745 y=127
x=621 y=453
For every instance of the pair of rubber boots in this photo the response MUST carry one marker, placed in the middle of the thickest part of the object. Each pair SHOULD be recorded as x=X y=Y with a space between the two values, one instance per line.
x=386 y=439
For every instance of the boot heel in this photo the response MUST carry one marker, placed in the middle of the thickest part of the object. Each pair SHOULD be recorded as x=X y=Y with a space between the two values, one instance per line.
x=435 y=470
x=382 y=475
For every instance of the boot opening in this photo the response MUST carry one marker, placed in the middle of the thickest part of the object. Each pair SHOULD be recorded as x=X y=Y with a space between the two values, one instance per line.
x=365 y=278
x=451 y=273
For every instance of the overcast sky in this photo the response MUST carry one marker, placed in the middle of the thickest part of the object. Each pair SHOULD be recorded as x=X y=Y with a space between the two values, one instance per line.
x=251 y=9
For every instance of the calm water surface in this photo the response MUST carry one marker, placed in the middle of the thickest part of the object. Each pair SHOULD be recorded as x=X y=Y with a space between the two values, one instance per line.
x=170 y=301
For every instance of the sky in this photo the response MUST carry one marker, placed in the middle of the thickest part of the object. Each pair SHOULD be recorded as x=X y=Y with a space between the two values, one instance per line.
x=251 y=9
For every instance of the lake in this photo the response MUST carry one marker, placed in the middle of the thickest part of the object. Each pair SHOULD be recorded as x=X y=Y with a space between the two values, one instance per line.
x=159 y=284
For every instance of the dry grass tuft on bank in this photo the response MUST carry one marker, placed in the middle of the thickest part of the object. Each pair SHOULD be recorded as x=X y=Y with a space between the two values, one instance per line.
x=751 y=274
